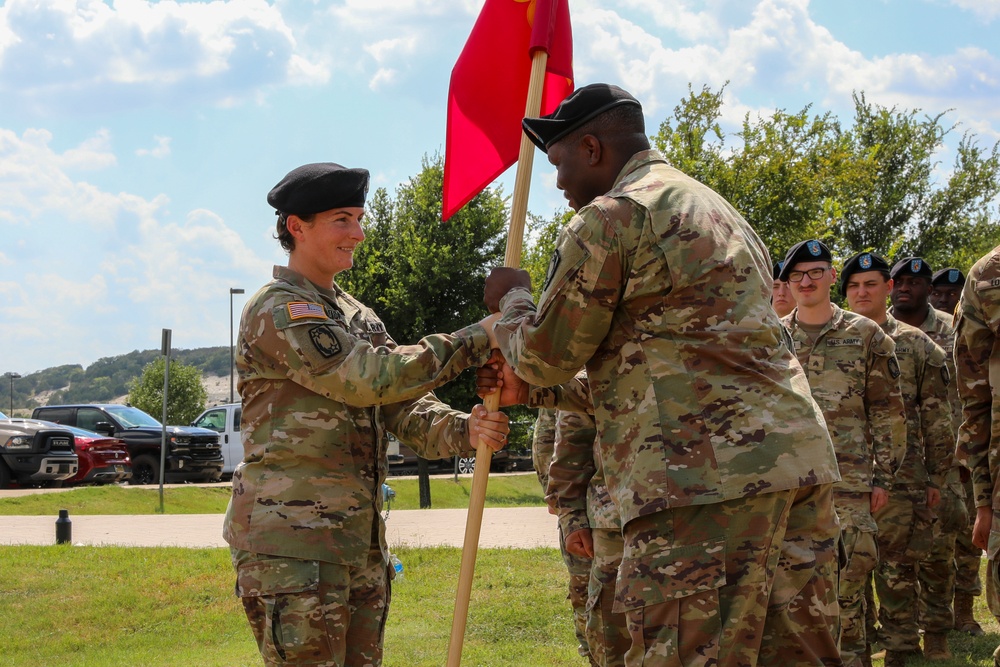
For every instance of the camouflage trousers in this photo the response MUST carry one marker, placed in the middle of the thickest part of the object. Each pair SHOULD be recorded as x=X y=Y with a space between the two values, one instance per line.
x=579 y=579
x=936 y=571
x=734 y=584
x=857 y=535
x=968 y=557
x=905 y=534
x=993 y=567
x=607 y=630
x=315 y=613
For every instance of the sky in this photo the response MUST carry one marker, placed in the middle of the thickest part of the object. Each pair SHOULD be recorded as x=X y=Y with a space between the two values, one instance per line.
x=138 y=139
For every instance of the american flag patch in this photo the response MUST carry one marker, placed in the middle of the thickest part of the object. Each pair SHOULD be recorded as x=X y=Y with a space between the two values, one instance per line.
x=298 y=310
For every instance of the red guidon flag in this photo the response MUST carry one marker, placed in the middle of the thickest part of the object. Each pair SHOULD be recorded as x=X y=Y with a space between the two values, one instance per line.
x=489 y=90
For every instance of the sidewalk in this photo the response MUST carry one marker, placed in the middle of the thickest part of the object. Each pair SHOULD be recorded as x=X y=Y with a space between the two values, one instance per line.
x=519 y=527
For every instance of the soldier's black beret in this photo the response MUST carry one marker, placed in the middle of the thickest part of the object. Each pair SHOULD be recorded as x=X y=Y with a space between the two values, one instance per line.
x=911 y=266
x=776 y=271
x=804 y=251
x=949 y=276
x=583 y=105
x=317 y=187
x=862 y=263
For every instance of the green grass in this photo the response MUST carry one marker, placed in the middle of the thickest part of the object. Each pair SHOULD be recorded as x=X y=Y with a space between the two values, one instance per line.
x=502 y=491
x=111 y=606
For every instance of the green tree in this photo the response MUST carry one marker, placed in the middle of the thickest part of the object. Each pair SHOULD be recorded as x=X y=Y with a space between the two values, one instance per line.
x=540 y=243
x=185 y=394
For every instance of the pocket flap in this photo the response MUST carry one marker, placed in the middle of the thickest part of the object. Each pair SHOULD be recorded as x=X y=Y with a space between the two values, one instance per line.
x=670 y=574
x=273 y=577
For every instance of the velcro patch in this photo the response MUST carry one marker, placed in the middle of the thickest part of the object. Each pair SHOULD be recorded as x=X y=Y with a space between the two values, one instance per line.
x=325 y=340
x=300 y=310
x=842 y=342
x=893 y=367
x=553 y=266
x=987 y=284
x=903 y=350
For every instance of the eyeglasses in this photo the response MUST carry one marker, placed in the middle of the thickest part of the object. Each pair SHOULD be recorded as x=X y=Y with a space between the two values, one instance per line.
x=814 y=274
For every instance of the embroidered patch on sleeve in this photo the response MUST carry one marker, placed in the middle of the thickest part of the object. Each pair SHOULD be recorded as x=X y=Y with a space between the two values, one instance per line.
x=325 y=340
x=893 y=367
x=298 y=310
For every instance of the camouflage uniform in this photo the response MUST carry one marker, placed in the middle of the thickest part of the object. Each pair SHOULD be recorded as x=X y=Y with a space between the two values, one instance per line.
x=854 y=375
x=662 y=291
x=947 y=564
x=905 y=524
x=321 y=383
x=542 y=447
x=977 y=365
x=578 y=494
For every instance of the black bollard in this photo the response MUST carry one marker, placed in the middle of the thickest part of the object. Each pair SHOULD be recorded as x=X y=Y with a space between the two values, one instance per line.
x=64 y=528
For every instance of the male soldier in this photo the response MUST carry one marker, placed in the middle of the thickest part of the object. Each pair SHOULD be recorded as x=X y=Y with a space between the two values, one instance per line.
x=905 y=524
x=781 y=297
x=946 y=288
x=715 y=455
x=854 y=377
x=542 y=448
x=977 y=363
x=951 y=570
x=578 y=494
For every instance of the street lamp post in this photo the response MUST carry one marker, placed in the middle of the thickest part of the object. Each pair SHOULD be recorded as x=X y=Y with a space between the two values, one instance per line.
x=13 y=376
x=232 y=360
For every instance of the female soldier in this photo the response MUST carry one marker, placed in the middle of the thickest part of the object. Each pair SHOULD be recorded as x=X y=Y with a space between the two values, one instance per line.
x=321 y=384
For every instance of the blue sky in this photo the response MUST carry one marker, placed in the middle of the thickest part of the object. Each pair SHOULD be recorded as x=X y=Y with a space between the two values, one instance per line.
x=138 y=139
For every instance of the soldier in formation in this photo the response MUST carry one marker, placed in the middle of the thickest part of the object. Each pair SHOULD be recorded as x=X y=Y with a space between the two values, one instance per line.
x=715 y=455
x=905 y=524
x=854 y=376
x=321 y=384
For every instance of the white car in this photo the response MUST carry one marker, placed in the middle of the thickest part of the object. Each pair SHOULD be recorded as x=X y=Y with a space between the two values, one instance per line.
x=225 y=420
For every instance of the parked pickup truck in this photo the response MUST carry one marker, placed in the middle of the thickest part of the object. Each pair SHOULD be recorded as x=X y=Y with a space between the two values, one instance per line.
x=193 y=454
x=34 y=453
x=225 y=420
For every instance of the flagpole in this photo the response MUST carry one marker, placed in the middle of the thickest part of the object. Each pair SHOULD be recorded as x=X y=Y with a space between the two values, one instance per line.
x=480 y=476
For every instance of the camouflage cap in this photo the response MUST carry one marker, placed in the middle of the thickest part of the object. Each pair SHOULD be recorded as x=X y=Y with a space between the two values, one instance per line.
x=948 y=276
x=581 y=106
x=812 y=250
x=317 y=187
x=862 y=263
x=911 y=266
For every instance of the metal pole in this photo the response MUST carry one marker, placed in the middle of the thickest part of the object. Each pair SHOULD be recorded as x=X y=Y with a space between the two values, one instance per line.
x=12 y=376
x=163 y=432
x=232 y=355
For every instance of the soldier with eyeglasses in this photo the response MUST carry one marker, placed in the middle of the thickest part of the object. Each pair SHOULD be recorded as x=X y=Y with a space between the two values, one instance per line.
x=854 y=377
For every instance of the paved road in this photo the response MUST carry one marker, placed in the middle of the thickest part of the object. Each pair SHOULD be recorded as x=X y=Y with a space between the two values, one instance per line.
x=521 y=527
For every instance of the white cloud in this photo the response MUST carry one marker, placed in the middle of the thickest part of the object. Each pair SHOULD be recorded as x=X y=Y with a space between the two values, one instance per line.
x=82 y=54
x=160 y=150
x=984 y=9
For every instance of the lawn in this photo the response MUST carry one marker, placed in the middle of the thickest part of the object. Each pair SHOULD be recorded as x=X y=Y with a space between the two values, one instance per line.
x=502 y=491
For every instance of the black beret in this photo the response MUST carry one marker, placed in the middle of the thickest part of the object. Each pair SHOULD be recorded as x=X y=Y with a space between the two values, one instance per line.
x=949 y=276
x=911 y=266
x=776 y=271
x=862 y=263
x=804 y=251
x=582 y=105
x=317 y=187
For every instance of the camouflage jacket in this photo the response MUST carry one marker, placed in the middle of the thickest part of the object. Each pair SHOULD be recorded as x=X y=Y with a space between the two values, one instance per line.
x=321 y=383
x=662 y=291
x=854 y=377
x=577 y=490
x=977 y=364
x=923 y=380
x=543 y=442
x=941 y=329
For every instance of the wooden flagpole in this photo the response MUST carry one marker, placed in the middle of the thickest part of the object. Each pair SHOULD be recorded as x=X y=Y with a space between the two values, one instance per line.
x=480 y=476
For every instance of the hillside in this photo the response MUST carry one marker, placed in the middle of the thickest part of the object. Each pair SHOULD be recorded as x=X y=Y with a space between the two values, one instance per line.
x=107 y=379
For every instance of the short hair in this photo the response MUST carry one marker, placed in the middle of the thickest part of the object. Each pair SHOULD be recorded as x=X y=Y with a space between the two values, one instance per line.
x=284 y=236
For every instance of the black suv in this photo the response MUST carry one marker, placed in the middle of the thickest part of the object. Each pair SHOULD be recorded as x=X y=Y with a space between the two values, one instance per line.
x=193 y=454
x=35 y=453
